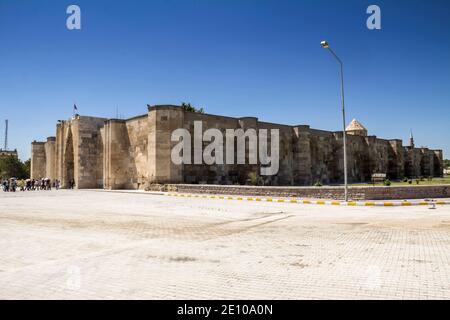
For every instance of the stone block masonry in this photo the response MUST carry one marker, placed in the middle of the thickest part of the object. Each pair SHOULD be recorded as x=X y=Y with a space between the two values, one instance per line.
x=38 y=160
x=135 y=153
x=334 y=193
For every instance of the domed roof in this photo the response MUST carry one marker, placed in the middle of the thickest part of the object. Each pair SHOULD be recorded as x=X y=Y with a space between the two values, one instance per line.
x=355 y=125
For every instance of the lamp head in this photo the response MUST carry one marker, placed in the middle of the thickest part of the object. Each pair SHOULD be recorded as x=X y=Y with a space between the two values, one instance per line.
x=324 y=44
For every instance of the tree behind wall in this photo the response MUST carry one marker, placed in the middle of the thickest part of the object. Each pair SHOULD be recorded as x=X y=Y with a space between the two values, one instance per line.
x=446 y=163
x=12 y=167
x=189 y=108
x=27 y=168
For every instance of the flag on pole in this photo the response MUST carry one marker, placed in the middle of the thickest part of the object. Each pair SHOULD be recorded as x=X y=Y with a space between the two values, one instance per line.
x=75 y=107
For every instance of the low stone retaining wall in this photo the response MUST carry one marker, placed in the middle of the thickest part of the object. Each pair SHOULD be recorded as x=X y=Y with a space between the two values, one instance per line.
x=336 y=193
x=412 y=192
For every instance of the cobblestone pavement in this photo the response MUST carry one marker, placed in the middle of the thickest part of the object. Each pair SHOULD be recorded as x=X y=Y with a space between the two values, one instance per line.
x=102 y=245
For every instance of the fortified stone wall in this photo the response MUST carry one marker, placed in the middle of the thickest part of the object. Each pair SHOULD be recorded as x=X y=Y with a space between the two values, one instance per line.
x=302 y=159
x=38 y=161
x=396 y=160
x=218 y=173
x=50 y=158
x=324 y=150
x=134 y=153
x=438 y=160
x=423 y=162
x=137 y=131
x=66 y=153
x=306 y=155
x=116 y=159
x=125 y=153
x=90 y=152
x=76 y=153
x=163 y=120
x=285 y=174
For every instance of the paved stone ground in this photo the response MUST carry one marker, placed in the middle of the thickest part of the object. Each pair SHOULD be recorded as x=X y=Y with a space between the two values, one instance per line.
x=102 y=245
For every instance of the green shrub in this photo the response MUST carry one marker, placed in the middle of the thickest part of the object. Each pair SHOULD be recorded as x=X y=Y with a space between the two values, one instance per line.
x=417 y=181
x=405 y=179
x=317 y=184
x=410 y=181
x=387 y=182
x=255 y=179
x=188 y=107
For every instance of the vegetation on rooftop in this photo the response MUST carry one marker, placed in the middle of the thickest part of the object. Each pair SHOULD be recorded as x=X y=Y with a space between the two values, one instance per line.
x=189 y=108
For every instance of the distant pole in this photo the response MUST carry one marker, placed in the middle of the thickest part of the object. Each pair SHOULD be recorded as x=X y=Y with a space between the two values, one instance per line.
x=325 y=45
x=74 y=109
x=6 y=134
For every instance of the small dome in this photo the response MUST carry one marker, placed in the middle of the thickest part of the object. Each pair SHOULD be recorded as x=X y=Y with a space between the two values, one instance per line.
x=356 y=128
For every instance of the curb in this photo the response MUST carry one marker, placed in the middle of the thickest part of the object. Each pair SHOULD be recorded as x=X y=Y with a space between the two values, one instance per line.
x=316 y=202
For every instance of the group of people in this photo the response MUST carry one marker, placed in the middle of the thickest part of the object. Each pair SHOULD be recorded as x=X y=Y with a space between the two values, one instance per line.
x=13 y=184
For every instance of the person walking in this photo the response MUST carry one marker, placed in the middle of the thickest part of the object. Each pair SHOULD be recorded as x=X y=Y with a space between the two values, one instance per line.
x=13 y=184
x=21 y=185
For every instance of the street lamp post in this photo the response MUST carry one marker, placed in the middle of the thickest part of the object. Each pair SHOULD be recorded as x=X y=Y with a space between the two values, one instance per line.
x=325 y=45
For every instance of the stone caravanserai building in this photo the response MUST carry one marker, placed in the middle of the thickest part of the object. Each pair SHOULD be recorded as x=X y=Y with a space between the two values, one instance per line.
x=136 y=152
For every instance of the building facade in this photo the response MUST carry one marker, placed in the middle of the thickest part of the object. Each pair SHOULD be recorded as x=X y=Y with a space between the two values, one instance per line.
x=8 y=153
x=134 y=153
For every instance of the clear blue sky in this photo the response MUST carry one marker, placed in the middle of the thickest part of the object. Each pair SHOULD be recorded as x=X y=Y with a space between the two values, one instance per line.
x=232 y=57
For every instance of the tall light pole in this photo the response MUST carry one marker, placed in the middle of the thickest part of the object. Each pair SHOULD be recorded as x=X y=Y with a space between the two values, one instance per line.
x=325 y=45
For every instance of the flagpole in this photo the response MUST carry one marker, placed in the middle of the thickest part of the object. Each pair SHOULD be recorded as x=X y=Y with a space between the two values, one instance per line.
x=74 y=109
